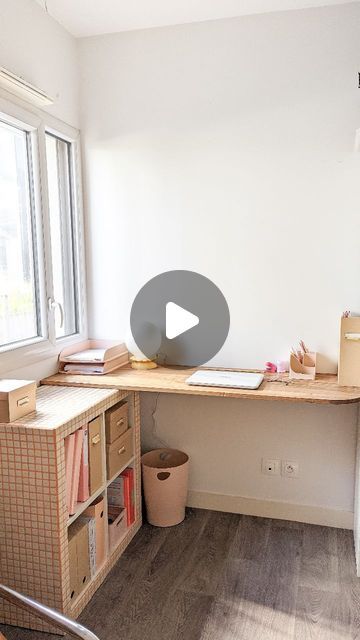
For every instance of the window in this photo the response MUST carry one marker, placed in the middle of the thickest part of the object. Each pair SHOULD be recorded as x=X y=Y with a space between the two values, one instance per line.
x=41 y=270
x=58 y=155
x=19 y=308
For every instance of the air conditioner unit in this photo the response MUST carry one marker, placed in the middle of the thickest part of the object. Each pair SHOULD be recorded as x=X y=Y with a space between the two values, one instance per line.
x=18 y=86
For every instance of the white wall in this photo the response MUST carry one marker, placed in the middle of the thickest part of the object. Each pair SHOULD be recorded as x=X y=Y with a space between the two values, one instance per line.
x=36 y=47
x=227 y=147
x=226 y=440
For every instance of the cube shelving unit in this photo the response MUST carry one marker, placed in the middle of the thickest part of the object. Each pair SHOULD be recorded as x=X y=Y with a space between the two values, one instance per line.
x=34 y=521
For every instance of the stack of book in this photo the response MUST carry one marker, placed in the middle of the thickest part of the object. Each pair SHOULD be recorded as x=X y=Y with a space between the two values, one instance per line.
x=93 y=357
x=121 y=494
x=77 y=468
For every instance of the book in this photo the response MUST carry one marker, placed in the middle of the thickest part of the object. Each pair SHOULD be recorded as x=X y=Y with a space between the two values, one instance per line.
x=75 y=475
x=131 y=473
x=129 y=494
x=115 y=493
x=83 y=492
x=127 y=498
x=69 y=463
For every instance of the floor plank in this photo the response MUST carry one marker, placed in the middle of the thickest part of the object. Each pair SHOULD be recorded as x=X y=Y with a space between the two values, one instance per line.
x=319 y=562
x=229 y=577
x=251 y=539
x=210 y=552
x=348 y=580
x=257 y=594
x=322 y=615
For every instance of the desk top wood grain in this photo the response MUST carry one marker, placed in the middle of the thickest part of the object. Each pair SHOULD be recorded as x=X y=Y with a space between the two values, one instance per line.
x=323 y=390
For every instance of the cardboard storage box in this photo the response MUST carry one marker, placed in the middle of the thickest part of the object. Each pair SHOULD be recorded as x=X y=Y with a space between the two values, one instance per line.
x=116 y=421
x=119 y=453
x=79 y=559
x=17 y=399
x=117 y=524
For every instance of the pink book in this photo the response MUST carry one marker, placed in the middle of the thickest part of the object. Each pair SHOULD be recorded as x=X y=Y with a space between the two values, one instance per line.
x=69 y=461
x=79 y=437
x=83 y=492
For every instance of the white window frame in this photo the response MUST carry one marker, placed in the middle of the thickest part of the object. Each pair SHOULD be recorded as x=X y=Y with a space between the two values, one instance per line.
x=38 y=123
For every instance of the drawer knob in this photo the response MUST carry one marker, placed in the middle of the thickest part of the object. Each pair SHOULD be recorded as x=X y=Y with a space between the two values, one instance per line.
x=96 y=439
x=23 y=401
x=120 y=422
x=122 y=450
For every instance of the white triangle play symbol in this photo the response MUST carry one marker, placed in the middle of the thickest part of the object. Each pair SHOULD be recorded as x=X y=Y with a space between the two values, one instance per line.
x=178 y=320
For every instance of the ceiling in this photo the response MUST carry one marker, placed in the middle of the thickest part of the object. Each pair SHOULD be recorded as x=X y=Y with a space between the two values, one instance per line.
x=94 y=17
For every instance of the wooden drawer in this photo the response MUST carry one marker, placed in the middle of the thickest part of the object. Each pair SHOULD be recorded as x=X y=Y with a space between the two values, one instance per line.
x=17 y=399
x=116 y=421
x=119 y=453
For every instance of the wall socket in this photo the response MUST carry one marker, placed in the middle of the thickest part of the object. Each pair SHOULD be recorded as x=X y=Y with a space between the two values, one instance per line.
x=273 y=467
x=270 y=467
x=289 y=468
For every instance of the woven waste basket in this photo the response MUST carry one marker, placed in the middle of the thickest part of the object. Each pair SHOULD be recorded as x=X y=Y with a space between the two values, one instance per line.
x=165 y=482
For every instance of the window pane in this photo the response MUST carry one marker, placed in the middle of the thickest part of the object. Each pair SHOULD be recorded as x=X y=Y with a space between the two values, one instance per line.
x=62 y=234
x=18 y=298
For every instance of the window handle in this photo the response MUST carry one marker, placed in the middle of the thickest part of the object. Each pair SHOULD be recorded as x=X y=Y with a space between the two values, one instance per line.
x=53 y=305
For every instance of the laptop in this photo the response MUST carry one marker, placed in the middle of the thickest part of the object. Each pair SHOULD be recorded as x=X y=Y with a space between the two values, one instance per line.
x=235 y=379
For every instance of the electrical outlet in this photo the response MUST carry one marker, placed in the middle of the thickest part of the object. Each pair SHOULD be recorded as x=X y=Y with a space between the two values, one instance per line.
x=270 y=467
x=289 y=468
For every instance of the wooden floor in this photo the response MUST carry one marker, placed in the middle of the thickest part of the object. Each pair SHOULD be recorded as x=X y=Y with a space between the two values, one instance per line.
x=221 y=576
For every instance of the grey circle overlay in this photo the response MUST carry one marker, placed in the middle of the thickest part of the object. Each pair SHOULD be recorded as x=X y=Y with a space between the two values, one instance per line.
x=193 y=292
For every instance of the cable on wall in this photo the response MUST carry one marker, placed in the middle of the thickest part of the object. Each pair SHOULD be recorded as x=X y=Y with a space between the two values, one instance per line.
x=154 y=434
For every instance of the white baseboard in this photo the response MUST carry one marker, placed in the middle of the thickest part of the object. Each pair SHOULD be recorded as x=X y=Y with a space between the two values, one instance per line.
x=270 y=509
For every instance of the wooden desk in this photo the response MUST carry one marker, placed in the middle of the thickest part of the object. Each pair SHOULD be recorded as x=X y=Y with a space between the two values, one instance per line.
x=323 y=390
x=277 y=387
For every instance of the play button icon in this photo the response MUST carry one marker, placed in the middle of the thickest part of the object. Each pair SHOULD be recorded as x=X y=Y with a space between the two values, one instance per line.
x=180 y=318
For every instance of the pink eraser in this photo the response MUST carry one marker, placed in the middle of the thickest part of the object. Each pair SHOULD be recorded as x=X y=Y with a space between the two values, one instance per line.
x=270 y=367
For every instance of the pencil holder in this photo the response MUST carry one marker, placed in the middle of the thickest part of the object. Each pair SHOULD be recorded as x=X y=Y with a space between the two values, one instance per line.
x=305 y=370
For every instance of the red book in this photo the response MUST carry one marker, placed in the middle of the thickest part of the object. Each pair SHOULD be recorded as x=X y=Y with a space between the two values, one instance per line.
x=83 y=492
x=129 y=493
